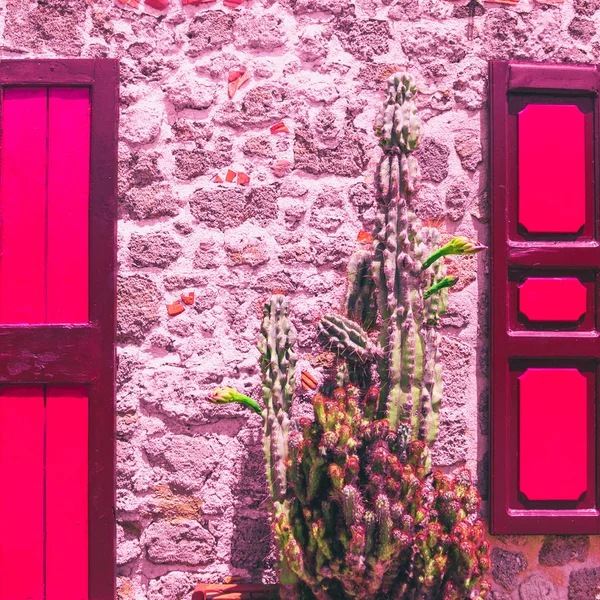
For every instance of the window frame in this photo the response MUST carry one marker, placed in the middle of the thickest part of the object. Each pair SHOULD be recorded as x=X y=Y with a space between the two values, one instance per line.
x=560 y=81
x=82 y=354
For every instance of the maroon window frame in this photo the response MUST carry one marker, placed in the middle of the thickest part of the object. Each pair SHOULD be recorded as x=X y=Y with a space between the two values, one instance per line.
x=516 y=344
x=82 y=354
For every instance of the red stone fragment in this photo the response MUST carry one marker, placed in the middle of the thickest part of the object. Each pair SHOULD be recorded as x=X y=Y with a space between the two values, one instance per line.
x=280 y=128
x=195 y=2
x=364 y=236
x=232 y=3
x=158 y=4
x=188 y=298
x=236 y=78
x=281 y=167
x=175 y=308
x=132 y=3
x=217 y=179
x=308 y=381
x=230 y=176
x=242 y=178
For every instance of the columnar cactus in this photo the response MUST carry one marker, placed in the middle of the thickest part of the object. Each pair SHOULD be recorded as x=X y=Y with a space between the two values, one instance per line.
x=355 y=508
x=401 y=278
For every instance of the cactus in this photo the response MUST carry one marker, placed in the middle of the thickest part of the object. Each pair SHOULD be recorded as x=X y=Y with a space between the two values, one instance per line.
x=355 y=509
x=402 y=277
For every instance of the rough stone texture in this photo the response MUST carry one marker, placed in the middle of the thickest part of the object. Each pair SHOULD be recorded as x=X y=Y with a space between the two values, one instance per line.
x=582 y=29
x=506 y=566
x=151 y=202
x=225 y=208
x=537 y=588
x=158 y=249
x=559 y=550
x=186 y=91
x=584 y=584
x=185 y=543
x=140 y=124
x=137 y=307
x=191 y=483
x=457 y=200
x=433 y=160
x=468 y=148
x=210 y=30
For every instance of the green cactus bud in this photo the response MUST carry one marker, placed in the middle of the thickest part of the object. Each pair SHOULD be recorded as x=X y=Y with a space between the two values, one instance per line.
x=457 y=245
x=440 y=285
x=227 y=394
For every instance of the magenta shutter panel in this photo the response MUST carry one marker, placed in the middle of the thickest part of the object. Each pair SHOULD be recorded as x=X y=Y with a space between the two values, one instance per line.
x=545 y=341
x=57 y=329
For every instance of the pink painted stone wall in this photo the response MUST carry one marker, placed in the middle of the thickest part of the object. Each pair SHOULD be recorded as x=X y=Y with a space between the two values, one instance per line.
x=190 y=476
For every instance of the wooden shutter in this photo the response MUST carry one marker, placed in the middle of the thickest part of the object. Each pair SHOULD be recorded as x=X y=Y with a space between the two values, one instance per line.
x=58 y=141
x=545 y=337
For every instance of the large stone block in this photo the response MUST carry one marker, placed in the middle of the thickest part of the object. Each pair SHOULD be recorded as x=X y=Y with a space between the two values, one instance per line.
x=363 y=38
x=185 y=542
x=506 y=566
x=140 y=123
x=151 y=202
x=537 y=588
x=558 y=550
x=227 y=208
x=210 y=30
x=433 y=160
x=138 y=300
x=186 y=90
x=51 y=25
x=156 y=249
x=584 y=584
x=259 y=32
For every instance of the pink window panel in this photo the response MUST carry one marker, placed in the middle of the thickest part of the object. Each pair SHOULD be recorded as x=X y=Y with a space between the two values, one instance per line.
x=553 y=434
x=44 y=202
x=44 y=500
x=559 y=299
x=552 y=168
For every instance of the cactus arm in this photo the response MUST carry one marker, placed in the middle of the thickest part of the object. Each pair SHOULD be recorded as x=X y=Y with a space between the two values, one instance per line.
x=347 y=338
x=360 y=297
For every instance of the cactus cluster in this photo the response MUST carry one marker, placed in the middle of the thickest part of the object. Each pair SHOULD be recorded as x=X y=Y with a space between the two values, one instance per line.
x=356 y=510
x=370 y=518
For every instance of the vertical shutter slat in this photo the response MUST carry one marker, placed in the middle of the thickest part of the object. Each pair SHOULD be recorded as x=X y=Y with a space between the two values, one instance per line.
x=22 y=493
x=67 y=493
x=23 y=206
x=68 y=204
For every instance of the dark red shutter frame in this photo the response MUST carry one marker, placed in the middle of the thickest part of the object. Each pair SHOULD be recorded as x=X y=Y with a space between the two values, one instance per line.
x=78 y=359
x=545 y=337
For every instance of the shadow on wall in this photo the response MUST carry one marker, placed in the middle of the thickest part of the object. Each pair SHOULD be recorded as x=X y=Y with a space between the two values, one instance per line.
x=251 y=548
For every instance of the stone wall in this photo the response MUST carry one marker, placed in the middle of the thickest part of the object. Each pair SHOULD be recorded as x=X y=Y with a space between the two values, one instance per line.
x=191 y=486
